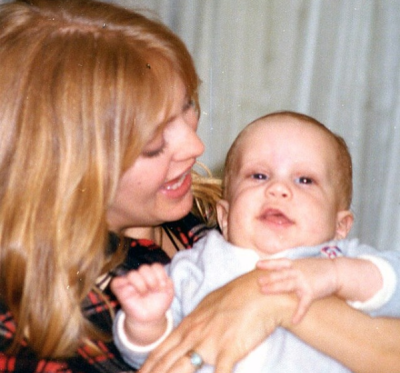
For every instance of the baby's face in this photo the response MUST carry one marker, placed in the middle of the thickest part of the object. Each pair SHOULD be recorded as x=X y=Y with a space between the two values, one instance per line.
x=284 y=193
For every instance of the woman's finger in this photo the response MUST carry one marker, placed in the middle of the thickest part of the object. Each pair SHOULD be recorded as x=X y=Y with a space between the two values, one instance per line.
x=302 y=308
x=189 y=362
x=166 y=355
x=224 y=363
x=218 y=327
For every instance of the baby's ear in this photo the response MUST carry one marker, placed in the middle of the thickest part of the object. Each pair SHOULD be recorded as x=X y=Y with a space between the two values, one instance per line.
x=344 y=223
x=222 y=216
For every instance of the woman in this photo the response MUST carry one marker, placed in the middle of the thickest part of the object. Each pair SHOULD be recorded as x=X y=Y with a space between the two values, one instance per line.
x=98 y=118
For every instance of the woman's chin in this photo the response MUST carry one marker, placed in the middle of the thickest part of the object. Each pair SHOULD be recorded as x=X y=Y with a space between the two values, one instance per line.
x=180 y=211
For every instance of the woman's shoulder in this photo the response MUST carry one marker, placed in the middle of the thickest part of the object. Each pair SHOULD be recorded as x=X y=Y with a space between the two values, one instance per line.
x=187 y=230
x=25 y=360
x=182 y=233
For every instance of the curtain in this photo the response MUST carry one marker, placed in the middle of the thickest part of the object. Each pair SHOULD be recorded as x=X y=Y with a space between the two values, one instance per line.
x=336 y=60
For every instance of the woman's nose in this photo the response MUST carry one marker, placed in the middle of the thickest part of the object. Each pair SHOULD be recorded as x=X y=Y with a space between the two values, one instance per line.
x=193 y=145
x=184 y=140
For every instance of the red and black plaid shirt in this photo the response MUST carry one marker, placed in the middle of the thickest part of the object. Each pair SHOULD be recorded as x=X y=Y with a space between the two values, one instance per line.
x=187 y=230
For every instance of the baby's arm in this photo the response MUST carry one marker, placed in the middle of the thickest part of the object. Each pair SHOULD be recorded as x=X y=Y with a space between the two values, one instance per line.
x=313 y=278
x=145 y=296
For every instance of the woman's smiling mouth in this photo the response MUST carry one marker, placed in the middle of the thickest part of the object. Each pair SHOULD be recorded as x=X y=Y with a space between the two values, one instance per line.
x=176 y=183
x=179 y=186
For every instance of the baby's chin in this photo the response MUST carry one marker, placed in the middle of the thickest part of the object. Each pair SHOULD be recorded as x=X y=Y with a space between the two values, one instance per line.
x=264 y=251
x=274 y=248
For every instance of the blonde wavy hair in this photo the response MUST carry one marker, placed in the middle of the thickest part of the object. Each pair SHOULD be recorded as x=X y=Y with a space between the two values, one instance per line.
x=82 y=84
x=207 y=191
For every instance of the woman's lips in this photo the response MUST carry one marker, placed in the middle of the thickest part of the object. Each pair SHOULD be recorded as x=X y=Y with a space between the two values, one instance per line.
x=179 y=186
x=276 y=217
x=176 y=183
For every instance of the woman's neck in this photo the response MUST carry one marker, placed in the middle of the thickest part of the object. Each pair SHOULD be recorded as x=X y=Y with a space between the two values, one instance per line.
x=157 y=235
x=141 y=232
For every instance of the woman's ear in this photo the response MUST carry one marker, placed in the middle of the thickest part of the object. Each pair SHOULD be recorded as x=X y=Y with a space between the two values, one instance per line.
x=222 y=216
x=344 y=223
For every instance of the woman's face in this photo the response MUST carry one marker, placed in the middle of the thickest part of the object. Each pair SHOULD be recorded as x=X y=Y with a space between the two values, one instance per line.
x=157 y=187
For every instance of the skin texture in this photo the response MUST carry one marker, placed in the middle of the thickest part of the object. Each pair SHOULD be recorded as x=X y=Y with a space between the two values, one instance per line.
x=284 y=187
x=283 y=194
x=219 y=327
x=164 y=195
x=363 y=343
x=218 y=330
x=152 y=292
x=214 y=316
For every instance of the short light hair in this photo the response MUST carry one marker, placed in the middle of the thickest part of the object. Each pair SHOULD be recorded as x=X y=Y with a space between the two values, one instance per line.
x=343 y=166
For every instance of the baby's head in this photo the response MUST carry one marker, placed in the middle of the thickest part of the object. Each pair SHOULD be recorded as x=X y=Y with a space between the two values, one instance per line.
x=287 y=183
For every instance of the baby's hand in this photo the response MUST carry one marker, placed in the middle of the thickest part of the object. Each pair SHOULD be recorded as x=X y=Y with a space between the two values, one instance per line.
x=309 y=278
x=146 y=294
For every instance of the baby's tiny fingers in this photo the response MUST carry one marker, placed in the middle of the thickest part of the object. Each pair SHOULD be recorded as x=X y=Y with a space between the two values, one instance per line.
x=282 y=285
x=274 y=264
x=118 y=283
x=162 y=277
x=137 y=281
x=284 y=275
x=153 y=276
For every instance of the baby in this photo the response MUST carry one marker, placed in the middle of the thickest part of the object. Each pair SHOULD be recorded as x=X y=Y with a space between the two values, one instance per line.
x=286 y=208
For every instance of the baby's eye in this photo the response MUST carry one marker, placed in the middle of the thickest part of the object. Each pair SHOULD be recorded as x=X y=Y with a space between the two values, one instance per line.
x=259 y=176
x=304 y=180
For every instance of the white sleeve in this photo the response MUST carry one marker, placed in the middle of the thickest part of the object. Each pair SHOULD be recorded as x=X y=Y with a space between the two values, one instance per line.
x=133 y=354
x=385 y=293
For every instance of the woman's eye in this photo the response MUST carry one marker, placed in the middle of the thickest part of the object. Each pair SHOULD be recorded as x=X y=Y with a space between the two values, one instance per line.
x=259 y=176
x=304 y=180
x=154 y=153
x=189 y=104
x=154 y=149
x=190 y=113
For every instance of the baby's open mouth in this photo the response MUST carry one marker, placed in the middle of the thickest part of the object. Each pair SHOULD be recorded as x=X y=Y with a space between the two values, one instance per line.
x=276 y=217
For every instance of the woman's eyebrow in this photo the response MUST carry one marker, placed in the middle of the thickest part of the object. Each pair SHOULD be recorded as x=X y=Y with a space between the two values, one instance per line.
x=183 y=107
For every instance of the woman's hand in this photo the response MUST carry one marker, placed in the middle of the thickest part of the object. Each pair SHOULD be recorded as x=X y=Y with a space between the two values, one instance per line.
x=309 y=278
x=225 y=327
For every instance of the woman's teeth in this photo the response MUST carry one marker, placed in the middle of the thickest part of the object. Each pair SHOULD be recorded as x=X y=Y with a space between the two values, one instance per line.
x=176 y=184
